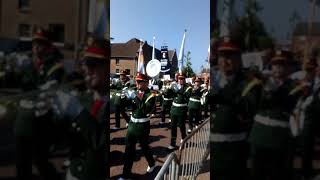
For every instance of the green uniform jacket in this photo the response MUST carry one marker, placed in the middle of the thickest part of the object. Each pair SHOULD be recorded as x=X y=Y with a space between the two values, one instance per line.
x=52 y=67
x=119 y=99
x=157 y=82
x=181 y=97
x=89 y=160
x=29 y=79
x=168 y=94
x=24 y=120
x=141 y=108
x=276 y=105
x=236 y=103
x=312 y=114
x=195 y=95
x=52 y=70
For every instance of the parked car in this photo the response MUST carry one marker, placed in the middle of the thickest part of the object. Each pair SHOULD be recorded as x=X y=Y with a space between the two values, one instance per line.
x=8 y=46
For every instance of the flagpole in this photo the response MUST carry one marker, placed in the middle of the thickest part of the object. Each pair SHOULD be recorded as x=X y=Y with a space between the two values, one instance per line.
x=153 y=48
x=181 y=53
x=208 y=63
x=140 y=58
x=308 y=46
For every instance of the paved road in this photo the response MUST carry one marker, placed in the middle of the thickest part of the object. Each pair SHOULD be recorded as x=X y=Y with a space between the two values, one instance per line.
x=159 y=141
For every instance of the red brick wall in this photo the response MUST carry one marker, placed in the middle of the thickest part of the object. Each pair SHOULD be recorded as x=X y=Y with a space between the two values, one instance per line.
x=299 y=43
x=123 y=64
x=42 y=13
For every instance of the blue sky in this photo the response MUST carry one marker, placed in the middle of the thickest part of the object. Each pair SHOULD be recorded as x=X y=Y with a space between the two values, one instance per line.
x=166 y=20
x=276 y=14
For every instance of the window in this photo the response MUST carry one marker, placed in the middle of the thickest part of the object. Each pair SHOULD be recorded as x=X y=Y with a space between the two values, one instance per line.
x=117 y=71
x=57 y=32
x=24 y=4
x=117 y=61
x=24 y=30
x=128 y=71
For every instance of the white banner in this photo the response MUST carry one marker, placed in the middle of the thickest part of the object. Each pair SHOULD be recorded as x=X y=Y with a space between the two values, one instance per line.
x=252 y=59
x=189 y=80
x=166 y=77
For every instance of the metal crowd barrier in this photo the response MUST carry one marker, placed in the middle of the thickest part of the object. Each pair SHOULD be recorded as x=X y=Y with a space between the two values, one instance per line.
x=170 y=168
x=187 y=163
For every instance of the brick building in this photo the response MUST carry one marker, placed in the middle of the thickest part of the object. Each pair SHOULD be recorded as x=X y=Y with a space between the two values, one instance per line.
x=173 y=59
x=301 y=38
x=124 y=56
x=67 y=20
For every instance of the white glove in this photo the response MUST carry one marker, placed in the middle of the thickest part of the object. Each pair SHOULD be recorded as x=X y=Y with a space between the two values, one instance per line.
x=48 y=84
x=43 y=104
x=179 y=86
x=66 y=105
x=155 y=87
x=131 y=94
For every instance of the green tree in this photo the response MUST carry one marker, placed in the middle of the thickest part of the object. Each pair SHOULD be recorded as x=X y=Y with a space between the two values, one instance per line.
x=187 y=70
x=294 y=19
x=249 y=31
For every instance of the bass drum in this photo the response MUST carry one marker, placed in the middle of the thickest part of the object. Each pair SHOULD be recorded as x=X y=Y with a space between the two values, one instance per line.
x=153 y=68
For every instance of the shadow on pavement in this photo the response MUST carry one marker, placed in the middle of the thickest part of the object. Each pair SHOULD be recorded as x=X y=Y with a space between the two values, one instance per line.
x=116 y=158
x=142 y=176
x=160 y=151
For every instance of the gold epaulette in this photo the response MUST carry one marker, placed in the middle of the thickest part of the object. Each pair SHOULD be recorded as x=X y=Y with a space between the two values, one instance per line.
x=151 y=96
x=54 y=68
x=188 y=89
x=295 y=90
x=252 y=84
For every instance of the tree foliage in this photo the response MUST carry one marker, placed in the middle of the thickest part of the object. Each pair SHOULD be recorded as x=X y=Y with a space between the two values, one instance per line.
x=188 y=71
x=249 y=31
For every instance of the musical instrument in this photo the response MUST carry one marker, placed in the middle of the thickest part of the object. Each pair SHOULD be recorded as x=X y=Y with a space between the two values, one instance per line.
x=153 y=68
x=128 y=93
x=203 y=98
x=165 y=89
x=175 y=86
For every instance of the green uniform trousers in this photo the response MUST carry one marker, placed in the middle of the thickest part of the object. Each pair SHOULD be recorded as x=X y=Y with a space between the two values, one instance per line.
x=121 y=110
x=166 y=106
x=175 y=121
x=229 y=161
x=137 y=132
x=194 y=117
x=270 y=163
x=36 y=148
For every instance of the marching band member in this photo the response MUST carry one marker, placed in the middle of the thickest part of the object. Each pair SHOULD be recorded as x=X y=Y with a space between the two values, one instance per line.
x=204 y=99
x=120 y=99
x=139 y=126
x=236 y=100
x=35 y=133
x=155 y=84
x=178 y=112
x=88 y=126
x=304 y=118
x=270 y=135
x=194 y=105
x=167 y=92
